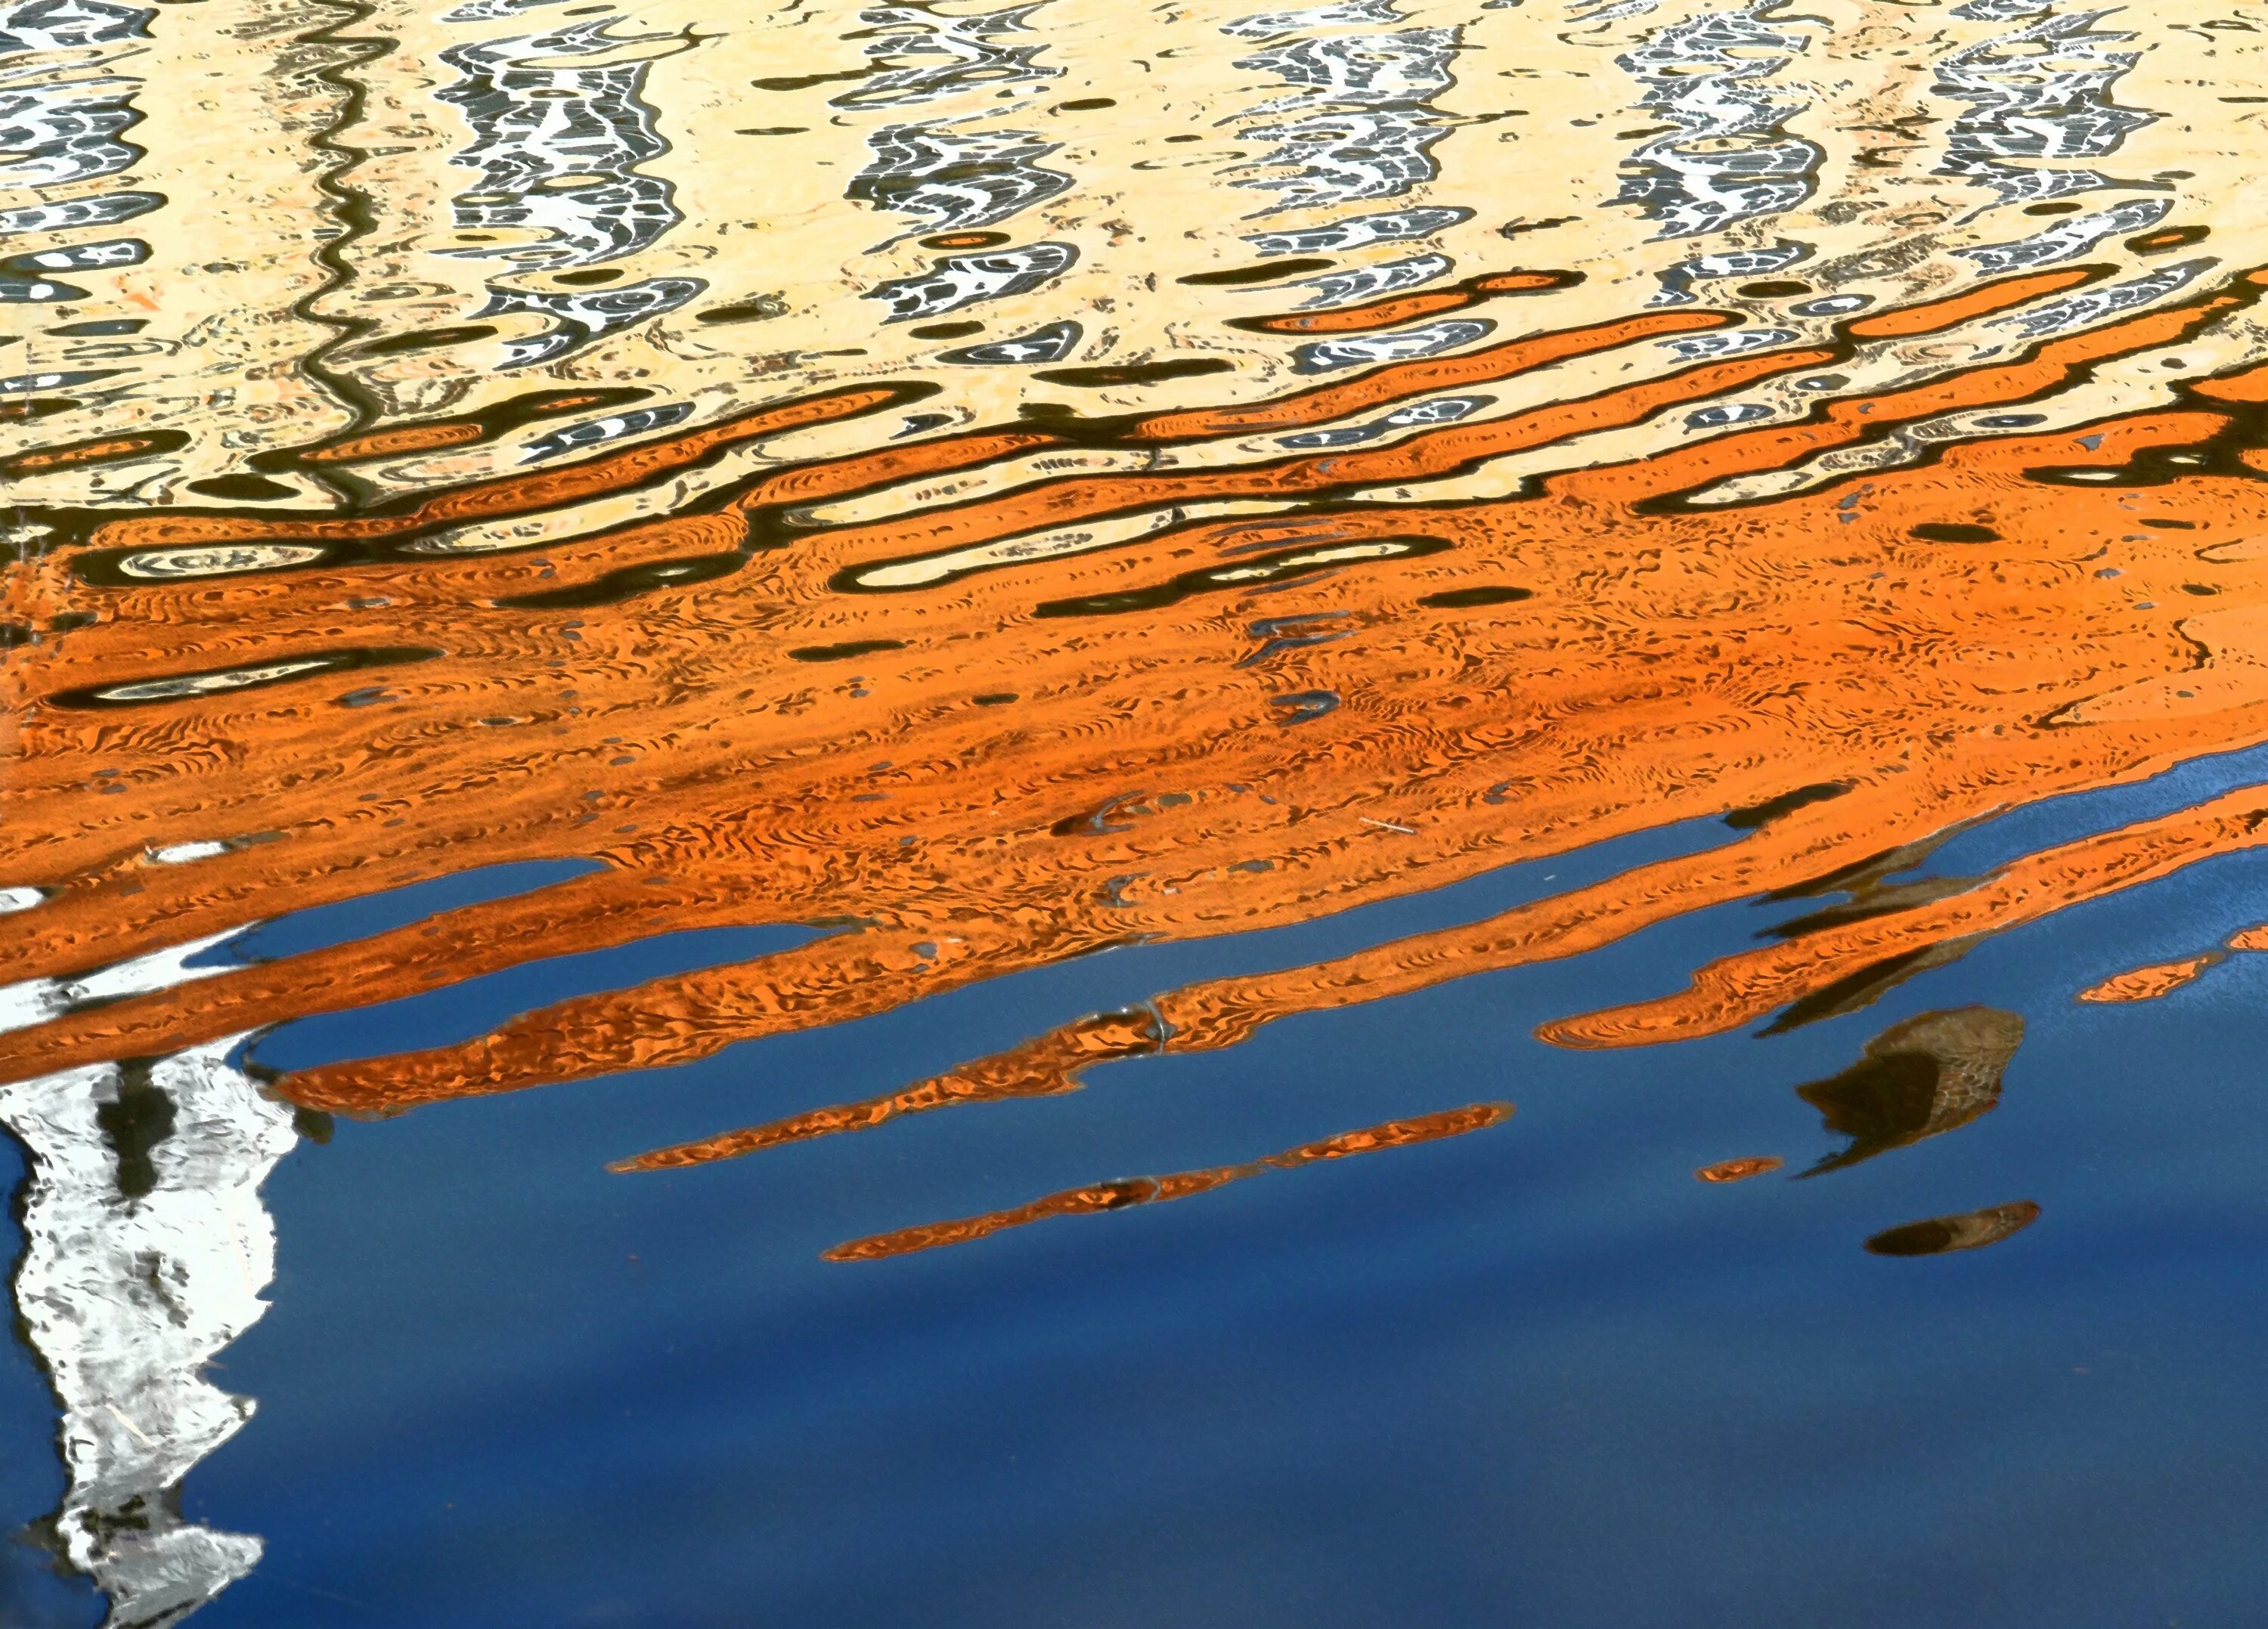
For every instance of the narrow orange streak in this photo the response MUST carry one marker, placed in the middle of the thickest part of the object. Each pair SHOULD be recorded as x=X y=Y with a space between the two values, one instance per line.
x=1738 y=990
x=396 y=442
x=808 y=483
x=1935 y=316
x=1325 y=402
x=508 y=494
x=1395 y=309
x=1740 y=1170
x=1044 y=1067
x=1384 y=313
x=102 y=450
x=2147 y=984
x=1774 y=446
x=1118 y=1196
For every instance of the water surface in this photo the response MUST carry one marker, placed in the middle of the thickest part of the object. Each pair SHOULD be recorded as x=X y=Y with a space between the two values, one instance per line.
x=1386 y=813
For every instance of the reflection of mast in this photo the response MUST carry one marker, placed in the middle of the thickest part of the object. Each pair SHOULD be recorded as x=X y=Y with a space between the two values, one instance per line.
x=146 y=1251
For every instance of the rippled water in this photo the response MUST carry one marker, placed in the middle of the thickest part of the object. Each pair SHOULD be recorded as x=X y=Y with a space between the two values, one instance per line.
x=601 y=596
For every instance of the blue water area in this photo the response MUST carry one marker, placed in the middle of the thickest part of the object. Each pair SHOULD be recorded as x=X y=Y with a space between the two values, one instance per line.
x=1533 y=1375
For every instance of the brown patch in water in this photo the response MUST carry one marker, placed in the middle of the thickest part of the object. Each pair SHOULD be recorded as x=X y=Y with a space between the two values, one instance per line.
x=1941 y=1235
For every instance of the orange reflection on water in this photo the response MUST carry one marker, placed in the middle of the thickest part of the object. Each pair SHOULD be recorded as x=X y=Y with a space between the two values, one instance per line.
x=1025 y=691
x=1115 y=1196
x=2147 y=984
x=1740 y=1170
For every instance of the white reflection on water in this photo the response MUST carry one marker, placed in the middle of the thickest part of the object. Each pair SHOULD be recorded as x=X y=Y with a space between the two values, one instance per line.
x=147 y=1249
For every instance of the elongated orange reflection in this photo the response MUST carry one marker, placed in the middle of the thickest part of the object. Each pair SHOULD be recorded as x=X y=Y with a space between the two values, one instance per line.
x=1118 y=1196
x=1400 y=308
x=2147 y=984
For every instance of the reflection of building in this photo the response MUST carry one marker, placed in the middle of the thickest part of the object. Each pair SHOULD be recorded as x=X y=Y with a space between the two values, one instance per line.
x=1356 y=124
x=1726 y=155
x=557 y=141
x=146 y=1252
x=2038 y=94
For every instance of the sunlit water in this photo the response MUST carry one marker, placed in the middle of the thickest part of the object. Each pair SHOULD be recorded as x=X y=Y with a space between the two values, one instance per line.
x=1575 y=690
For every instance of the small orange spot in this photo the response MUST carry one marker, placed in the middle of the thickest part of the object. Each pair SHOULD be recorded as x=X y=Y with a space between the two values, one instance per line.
x=1739 y=1170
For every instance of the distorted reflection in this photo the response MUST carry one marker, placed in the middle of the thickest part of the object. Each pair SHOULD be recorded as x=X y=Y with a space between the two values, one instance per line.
x=1118 y=1195
x=967 y=486
x=1919 y=1078
x=1971 y=1231
x=2147 y=984
x=146 y=1252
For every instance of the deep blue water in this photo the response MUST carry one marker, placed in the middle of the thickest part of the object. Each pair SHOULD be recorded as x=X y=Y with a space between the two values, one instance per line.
x=1533 y=1375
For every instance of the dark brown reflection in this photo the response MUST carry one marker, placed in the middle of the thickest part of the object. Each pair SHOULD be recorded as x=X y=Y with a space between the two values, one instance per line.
x=1926 y=1076
x=1770 y=809
x=1124 y=1192
x=1940 y=1235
